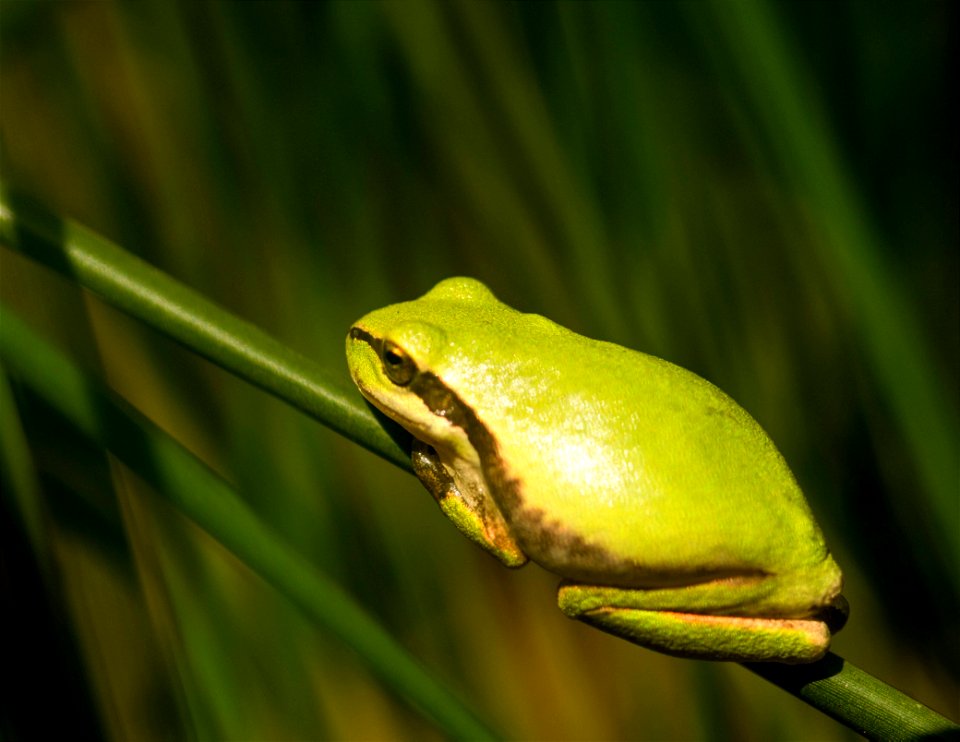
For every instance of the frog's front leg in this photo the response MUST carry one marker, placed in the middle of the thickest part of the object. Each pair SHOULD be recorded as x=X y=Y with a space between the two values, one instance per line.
x=701 y=621
x=462 y=496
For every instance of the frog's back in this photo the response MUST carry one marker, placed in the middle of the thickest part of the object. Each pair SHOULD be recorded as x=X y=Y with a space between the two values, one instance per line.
x=640 y=466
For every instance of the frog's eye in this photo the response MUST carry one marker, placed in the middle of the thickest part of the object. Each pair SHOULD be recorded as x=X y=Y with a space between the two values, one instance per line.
x=399 y=367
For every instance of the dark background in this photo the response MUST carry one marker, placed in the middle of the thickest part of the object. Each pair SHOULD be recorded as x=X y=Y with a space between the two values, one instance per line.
x=765 y=193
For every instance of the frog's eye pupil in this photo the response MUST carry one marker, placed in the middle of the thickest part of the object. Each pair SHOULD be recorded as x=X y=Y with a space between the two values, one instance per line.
x=399 y=367
x=393 y=358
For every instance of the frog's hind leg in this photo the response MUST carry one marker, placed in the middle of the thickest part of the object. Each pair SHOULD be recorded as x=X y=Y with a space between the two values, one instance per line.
x=699 y=621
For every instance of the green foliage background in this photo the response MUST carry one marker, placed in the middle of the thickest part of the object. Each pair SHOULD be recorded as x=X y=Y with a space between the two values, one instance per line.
x=763 y=193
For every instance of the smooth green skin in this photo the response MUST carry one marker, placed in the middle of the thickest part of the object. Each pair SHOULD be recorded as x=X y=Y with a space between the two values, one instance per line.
x=670 y=512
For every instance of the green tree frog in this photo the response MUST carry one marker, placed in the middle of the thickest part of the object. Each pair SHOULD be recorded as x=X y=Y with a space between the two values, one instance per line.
x=671 y=516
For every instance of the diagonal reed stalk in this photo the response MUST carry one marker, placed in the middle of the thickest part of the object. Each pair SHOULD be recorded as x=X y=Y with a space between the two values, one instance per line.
x=832 y=685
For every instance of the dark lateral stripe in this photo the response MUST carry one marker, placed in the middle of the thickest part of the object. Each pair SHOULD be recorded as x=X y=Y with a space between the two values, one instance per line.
x=444 y=402
x=359 y=334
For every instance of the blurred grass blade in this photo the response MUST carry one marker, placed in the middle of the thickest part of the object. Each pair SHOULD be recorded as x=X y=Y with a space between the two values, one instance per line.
x=18 y=478
x=851 y=250
x=518 y=109
x=150 y=295
x=207 y=500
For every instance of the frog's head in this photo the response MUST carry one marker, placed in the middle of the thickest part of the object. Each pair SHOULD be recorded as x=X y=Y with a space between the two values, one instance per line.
x=397 y=356
x=418 y=362
x=387 y=356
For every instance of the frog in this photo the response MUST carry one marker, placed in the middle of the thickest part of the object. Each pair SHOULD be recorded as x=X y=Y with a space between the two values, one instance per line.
x=670 y=515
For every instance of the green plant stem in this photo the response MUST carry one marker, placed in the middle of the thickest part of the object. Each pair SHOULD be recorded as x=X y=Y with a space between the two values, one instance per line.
x=832 y=685
x=208 y=501
x=858 y=700
x=144 y=292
